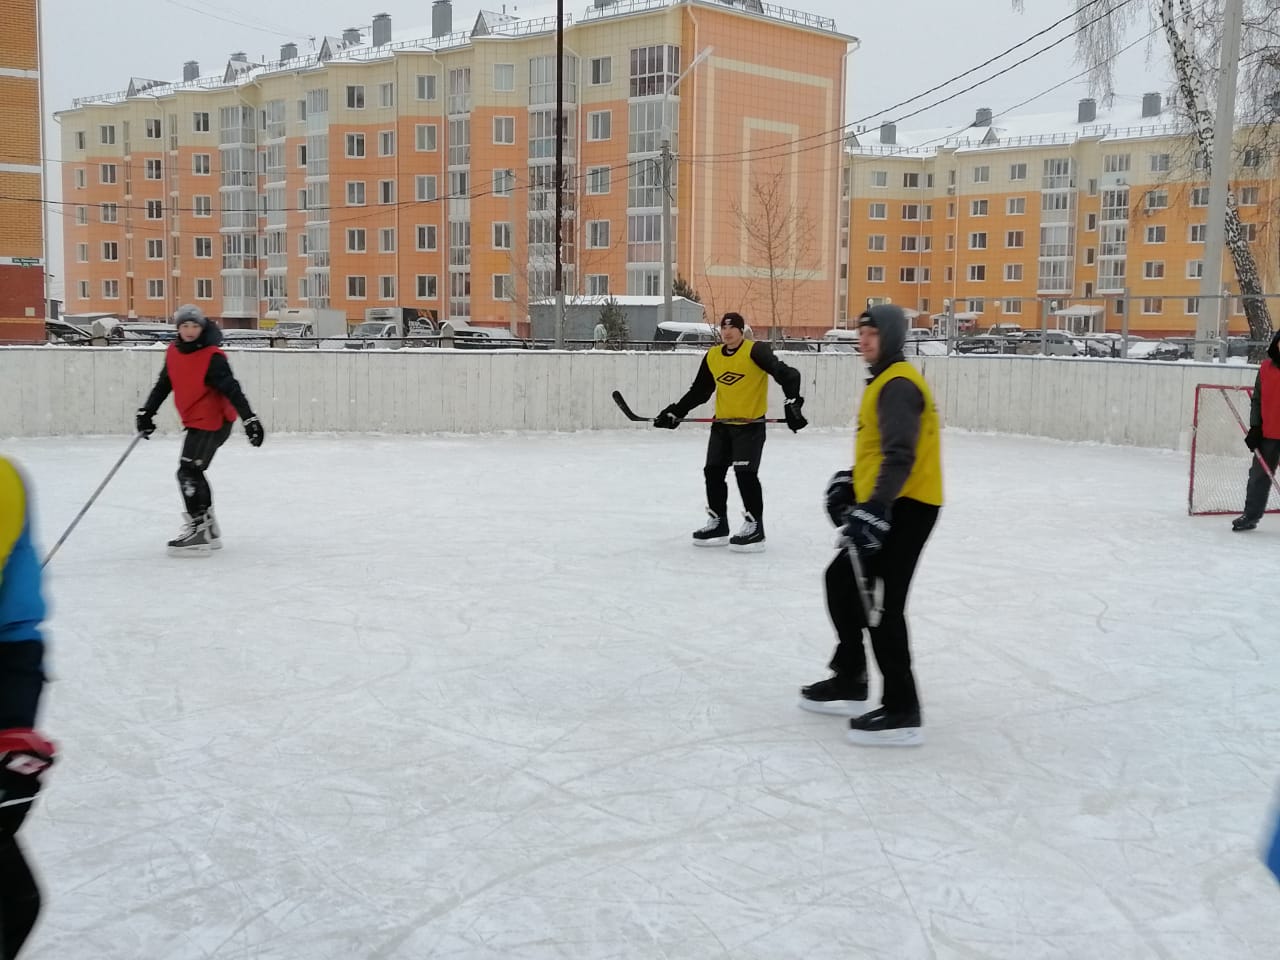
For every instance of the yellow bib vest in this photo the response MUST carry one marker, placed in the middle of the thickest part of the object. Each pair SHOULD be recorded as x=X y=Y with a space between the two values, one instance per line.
x=924 y=483
x=742 y=388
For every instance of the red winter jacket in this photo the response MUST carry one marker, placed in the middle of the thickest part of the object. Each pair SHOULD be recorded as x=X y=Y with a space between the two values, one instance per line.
x=199 y=405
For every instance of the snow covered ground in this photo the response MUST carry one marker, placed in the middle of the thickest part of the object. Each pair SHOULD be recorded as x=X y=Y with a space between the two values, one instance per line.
x=477 y=697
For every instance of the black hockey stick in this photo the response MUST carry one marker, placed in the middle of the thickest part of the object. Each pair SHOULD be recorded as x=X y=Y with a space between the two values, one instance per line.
x=85 y=509
x=636 y=418
x=866 y=590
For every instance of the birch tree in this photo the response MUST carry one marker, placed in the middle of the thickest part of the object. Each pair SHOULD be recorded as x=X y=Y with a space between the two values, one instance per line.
x=780 y=237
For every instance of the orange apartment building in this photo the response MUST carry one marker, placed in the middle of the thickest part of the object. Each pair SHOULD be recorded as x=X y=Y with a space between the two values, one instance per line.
x=418 y=170
x=22 y=268
x=1009 y=219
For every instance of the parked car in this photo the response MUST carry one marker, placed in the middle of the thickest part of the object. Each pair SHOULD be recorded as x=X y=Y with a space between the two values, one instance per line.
x=1056 y=343
x=387 y=335
x=979 y=345
x=466 y=337
x=246 y=338
x=1155 y=350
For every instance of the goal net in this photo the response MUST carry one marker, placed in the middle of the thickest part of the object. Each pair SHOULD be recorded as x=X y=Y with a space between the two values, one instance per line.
x=1219 y=459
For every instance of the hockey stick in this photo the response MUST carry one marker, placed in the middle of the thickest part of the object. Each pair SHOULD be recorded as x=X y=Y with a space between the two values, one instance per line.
x=85 y=509
x=636 y=418
x=1257 y=453
x=866 y=590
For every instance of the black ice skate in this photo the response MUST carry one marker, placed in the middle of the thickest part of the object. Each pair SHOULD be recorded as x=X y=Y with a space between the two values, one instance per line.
x=194 y=541
x=215 y=532
x=879 y=728
x=1242 y=523
x=714 y=533
x=836 y=696
x=749 y=539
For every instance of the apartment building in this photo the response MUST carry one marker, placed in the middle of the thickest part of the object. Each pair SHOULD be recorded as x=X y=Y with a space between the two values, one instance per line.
x=1011 y=218
x=416 y=167
x=22 y=269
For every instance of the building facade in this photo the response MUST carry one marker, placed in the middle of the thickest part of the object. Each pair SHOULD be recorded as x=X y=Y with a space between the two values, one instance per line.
x=420 y=171
x=1013 y=219
x=22 y=268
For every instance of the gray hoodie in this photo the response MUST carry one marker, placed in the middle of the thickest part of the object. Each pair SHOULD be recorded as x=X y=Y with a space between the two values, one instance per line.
x=899 y=407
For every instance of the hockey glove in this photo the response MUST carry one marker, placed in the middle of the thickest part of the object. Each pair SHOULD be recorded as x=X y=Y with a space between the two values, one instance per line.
x=1253 y=439
x=840 y=497
x=253 y=430
x=145 y=423
x=668 y=419
x=24 y=758
x=867 y=528
x=795 y=419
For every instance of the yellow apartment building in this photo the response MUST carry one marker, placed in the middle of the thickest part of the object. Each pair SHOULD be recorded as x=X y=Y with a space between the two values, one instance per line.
x=416 y=167
x=1010 y=218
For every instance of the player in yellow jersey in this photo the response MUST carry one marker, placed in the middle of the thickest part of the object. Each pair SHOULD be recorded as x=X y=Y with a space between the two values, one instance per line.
x=887 y=506
x=737 y=372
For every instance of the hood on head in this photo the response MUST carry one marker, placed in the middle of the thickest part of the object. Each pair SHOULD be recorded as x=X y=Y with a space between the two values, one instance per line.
x=891 y=321
x=1273 y=351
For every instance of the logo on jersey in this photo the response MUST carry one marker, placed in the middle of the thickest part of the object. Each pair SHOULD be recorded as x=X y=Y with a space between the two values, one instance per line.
x=729 y=378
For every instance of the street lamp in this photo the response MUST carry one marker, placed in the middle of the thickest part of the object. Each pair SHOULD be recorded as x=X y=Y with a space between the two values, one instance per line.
x=668 y=256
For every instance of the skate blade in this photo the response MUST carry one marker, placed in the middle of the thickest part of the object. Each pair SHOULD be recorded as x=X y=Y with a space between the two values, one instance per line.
x=837 y=708
x=747 y=547
x=901 y=737
x=187 y=553
x=215 y=544
x=713 y=542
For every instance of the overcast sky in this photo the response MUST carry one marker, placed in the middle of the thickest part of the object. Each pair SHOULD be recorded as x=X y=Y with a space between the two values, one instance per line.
x=95 y=47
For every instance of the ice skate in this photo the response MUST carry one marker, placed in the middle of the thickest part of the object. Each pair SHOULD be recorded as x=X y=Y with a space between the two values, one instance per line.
x=194 y=541
x=714 y=533
x=750 y=538
x=836 y=696
x=880 y=728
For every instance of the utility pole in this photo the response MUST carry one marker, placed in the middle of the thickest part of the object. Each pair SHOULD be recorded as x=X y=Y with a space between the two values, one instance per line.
x=559 y=279
x=1219 y=176
x=666 y=161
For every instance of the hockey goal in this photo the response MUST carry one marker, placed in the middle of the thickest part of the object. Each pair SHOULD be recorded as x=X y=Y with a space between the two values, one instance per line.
x=1219 y=459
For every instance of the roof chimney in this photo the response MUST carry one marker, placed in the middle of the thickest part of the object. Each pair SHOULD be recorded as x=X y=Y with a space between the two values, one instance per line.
x=441 y=18
x=1087 y=112
x=351 y=36
x=1150 y=105
x=239 y=57
x=382 y=29
x=190 y=71
x=288 y=51
x=889 y=134
x=983 y=117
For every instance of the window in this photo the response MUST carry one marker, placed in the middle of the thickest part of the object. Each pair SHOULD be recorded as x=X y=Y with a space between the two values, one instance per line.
x=1013 y=271
x=504 y=182
x=153 y=170
x=386 y=94
x=875 y=241
x=599 y=180
x=1159 y=162
x=913 y=275
x=425 y=137
x=1093 y=187
x=981 y=174
x=386 y=191
x=80 y=139
x=1152 y=305
x=355 y=193
x=1015 y=206
x=424 y=187
x=977 y=272
x=1091 y=222
x=875 y=274
x=1199 y=196
x=204 y=289
x=355 y=240
x=82 y=216
x=1249 y=196
x=153 y=129
x=1013 y=307
x=504 y=77
x=1017 y=171
x=977 y=208
x=110 y=250
x=355 y=144
x=951 y=210
x=155 y=210
x=1155 y=234
x=597 y=284
x=459 y=184
x=155 y=289
x=204 y=248
x=502 y=286
x=200 y=122
x=911 y=211
x=977 y=306
x=911 y=244
x=951 y=241
x=200 y=164
x=387 y=143
x=879 y=178
x=155 y=249
x=1157 y=199
x=80 y=179
x=303 y=245
x=302 y=156
x=947 y=274
x=426 y=237
x=425 y=86
x=1250 y=231
x=386 y=287
x=502 y=236
x=601 y=71
x=356 y=288
x=1115 y=163
x=84 y=289
x=878 y=211
x=1153 y=270
x=387 y=240
x=106 y=173
x=1252 y=157
x=107 y=133
x=111 y=289
x=911 y=180
x=600 y=125
x=82 y=253
x=1195 y=269
x=977 y=241
x=355 y=98
x=427 y=287
x=302 y=200
x=108 y=213
x=1014 y=239
x=504 y=131
x=1090 y=256
x=597 y=234
x=1193 y=306
x=1198 y=232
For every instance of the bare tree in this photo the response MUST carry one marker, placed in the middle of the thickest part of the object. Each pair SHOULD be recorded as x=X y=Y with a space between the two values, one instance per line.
x=715 y=303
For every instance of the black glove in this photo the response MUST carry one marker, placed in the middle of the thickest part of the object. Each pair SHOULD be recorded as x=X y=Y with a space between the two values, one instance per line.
x=795 y=419
x=668 y=419
x=840 y=497
x=253 y=430
x=1253 y=438
x=145 y=423
x=24 y=757
x=867 y=528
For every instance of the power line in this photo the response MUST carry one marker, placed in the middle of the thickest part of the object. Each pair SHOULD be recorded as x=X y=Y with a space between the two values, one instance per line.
x=262 y=28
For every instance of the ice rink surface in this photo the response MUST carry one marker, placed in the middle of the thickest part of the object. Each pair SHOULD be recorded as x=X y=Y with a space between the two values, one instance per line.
x=478 y=697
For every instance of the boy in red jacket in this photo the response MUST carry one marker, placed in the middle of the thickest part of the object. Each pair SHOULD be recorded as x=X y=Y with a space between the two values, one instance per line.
x=208 y=399
x=1263 y=438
